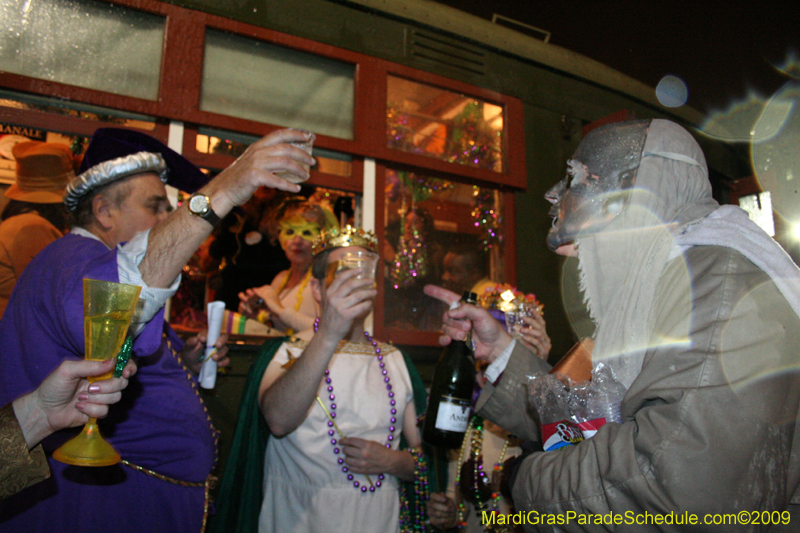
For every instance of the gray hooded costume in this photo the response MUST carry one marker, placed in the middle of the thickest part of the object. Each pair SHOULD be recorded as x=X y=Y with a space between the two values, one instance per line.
x=697 y=312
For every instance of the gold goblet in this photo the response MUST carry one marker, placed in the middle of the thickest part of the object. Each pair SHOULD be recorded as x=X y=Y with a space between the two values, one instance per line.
x=107 y=312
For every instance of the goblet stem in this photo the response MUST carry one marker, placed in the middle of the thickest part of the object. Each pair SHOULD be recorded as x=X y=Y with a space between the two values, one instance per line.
x=87 y=449
x=91 y=425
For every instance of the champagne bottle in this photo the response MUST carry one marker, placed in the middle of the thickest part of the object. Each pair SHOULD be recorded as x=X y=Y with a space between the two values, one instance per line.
x=450 y=400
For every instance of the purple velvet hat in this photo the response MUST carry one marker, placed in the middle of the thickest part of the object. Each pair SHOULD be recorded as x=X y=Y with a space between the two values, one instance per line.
x=116 y=153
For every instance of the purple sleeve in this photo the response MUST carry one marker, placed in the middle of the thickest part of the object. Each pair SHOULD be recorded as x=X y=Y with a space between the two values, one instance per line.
x=43 y=323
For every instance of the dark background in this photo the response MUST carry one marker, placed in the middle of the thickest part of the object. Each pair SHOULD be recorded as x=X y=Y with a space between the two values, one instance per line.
x=723 y=51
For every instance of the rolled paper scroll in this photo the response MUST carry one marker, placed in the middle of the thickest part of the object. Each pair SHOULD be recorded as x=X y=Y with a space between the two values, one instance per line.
x=208 y=372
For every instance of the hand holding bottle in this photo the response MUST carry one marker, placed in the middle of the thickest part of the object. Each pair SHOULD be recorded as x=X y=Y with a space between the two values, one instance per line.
x=249 y=302
x=488 y=336
x=450 y=400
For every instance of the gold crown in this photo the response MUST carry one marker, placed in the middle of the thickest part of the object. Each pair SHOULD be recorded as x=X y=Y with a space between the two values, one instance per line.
x=346 y=236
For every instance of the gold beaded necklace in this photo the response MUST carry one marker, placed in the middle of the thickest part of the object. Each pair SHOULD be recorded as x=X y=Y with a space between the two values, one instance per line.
x=302 y=287
x=476 y=493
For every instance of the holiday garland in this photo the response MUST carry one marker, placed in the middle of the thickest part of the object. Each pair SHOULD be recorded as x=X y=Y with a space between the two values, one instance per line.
x=470 y=142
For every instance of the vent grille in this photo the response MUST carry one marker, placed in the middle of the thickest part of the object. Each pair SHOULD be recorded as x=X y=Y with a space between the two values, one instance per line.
x=444 y=52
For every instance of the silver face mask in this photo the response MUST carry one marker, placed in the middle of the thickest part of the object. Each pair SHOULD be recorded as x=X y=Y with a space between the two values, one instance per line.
x=599 y=177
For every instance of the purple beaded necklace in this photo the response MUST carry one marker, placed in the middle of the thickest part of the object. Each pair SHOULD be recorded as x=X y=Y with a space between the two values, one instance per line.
x=332 y=415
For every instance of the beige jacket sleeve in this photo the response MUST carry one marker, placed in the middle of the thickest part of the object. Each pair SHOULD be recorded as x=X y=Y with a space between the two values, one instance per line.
x=710 y=422
x=511 y=390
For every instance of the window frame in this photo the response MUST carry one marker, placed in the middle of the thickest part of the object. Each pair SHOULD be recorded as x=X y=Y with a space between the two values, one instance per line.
x=179 y=101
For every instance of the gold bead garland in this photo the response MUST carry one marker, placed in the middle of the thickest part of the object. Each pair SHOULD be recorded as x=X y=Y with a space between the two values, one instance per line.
x=300 y=289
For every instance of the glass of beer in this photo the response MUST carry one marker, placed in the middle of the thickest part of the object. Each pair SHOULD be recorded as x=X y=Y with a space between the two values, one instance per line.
x=107 y=312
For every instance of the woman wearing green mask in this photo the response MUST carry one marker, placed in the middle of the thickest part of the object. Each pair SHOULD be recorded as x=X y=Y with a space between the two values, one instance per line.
x=287 y=302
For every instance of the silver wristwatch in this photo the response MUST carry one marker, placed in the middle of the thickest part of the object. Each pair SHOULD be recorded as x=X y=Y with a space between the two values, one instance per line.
x=200 y=205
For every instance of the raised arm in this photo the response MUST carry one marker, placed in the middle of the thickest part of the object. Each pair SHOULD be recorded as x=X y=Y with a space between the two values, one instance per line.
x=173 y=241
x=285 y=397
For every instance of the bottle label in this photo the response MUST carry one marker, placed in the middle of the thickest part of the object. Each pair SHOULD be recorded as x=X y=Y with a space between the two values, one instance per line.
x=560 y=434
x=453 y=414
x=590 y=427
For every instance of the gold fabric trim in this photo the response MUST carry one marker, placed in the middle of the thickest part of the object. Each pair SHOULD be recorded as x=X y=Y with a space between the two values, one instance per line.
x=358 y=348
x=20 y=468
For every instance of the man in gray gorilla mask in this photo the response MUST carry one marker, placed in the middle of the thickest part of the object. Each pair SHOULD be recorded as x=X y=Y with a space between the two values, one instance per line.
x=697 y=311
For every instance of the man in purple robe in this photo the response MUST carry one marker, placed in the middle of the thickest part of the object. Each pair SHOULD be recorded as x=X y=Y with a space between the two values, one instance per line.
x=125 y=233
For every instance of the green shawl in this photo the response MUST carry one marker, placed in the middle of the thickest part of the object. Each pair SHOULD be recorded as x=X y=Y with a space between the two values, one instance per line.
x=238 y=503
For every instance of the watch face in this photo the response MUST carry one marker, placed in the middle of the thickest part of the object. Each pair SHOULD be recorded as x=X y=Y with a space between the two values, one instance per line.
x=198 y=204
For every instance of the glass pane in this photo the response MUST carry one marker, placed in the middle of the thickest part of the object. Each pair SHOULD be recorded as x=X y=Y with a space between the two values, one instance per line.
x=11 y=134
x=234 y=144
x=427 y=120
x=439 y=232
x=259 y=81
x=84 y=43
x=42 y=104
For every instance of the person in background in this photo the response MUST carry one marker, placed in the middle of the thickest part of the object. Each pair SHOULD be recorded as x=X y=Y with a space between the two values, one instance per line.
x=126 y=232
x=64 y=399
x=35 y=215
x=465 y=269
x=336 y=412
x=243 y=248
x=698 y=315
x=288 y=299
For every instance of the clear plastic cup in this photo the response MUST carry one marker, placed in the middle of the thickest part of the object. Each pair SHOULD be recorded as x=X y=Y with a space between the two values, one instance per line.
x=306 y=146
x=366 y=261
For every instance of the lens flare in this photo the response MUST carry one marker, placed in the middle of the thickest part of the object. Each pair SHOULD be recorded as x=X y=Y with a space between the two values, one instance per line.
x=736 y=123
x=774 y=151
x=671 y=91
x=791 y=65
